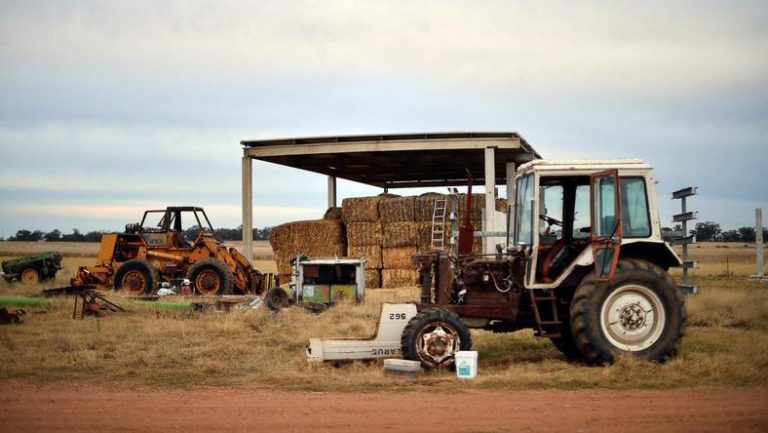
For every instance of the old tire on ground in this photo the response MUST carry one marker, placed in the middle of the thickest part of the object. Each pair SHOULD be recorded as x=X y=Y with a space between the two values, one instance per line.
x=641 y=312
x=276 y=299
x=136 y=277
x=210 y=277
x=30 y=276
x=433 y=337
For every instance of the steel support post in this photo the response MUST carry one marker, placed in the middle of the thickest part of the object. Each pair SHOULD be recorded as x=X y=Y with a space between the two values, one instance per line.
x=511 y=200
x=760 y=274
x=489 y=223
x=247 y=209
x=331 y=191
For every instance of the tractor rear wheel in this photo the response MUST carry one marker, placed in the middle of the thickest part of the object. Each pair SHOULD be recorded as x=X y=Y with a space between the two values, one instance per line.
x=210 y=277
x=433 y=337
x=137 y=277
x=30 y=276
x=640 y=312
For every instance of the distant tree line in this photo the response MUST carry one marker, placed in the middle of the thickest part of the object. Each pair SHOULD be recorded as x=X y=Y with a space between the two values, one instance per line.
x=711 y=231
x=222 y=234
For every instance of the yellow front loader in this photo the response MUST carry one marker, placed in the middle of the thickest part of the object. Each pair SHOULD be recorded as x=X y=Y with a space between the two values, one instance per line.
x=169 y=245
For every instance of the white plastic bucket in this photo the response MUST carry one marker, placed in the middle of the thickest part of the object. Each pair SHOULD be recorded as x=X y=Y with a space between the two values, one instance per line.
x=466 y=364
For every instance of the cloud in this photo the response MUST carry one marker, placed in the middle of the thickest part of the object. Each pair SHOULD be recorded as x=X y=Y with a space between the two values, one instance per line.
x=141 y=102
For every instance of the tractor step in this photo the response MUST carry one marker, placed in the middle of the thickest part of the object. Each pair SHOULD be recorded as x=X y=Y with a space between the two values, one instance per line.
x=545 y=313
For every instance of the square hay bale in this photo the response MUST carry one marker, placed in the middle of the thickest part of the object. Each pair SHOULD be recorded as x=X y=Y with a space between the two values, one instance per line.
x=396 y=209
x=424 y=206
x=315 y=238
x=401 y=234
x=364 y=233
x=372 y=254
x=391 y=278
x=399 y=257
x=359 y=209
x=372 y=278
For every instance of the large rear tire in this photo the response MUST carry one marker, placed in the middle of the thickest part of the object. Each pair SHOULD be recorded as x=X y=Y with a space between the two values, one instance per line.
x=640 y=312
x=433 y=337
x=211 y=277
x=137 y=277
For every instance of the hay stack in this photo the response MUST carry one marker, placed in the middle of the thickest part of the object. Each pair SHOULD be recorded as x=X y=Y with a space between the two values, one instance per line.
x=398 y=257
x=372 y=254
x=401 y=234
x=425 y=236
x=391 y=278
x=396 y=209
x=315 y=238
x=359 y=209
x=425 y=206
x=364 y=233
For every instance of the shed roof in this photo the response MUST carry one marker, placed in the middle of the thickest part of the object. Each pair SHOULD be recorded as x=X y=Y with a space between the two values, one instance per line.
x=397 y=160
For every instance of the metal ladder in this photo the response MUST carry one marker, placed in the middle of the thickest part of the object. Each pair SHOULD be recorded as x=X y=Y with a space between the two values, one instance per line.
x=548 y=326
x=438 y=224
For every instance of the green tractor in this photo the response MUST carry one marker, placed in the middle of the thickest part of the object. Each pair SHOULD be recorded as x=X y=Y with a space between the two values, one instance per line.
x=32 y=269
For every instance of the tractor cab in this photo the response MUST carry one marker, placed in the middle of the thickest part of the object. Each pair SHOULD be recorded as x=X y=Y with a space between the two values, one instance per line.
x=574 y=217
x=174 y=227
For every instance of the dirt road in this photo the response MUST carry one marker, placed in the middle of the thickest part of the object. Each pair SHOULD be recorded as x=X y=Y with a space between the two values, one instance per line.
x=89 y=408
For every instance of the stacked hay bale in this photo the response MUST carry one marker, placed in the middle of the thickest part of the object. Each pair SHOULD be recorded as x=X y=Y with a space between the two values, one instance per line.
x=401 y=239
x=315 y=238
x=364 y=235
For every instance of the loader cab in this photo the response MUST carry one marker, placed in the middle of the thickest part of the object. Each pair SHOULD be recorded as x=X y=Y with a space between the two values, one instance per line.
x=175 y=227
x=575 y=217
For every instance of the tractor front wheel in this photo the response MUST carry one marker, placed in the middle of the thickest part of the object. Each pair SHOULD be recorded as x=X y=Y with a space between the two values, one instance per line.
x=433 y=337
x=640 y=312
x=137 y=277
x=211 y=277
x=30 y=276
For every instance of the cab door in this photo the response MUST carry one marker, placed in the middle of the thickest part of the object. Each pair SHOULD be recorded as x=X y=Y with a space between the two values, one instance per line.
x=606 y=222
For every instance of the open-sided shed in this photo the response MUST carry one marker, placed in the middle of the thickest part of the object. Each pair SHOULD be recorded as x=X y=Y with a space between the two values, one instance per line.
x=394 y=161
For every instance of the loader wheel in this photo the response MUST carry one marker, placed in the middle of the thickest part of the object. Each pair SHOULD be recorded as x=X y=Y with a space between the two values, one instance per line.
x=30 y=276
x=433 y=337
x=276 y=299
x=211 y=277
x=566 y=344
x=137 y=277
x=641 y=312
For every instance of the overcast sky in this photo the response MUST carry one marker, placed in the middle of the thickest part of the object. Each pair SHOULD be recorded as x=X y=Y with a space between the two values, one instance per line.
x=109 y=108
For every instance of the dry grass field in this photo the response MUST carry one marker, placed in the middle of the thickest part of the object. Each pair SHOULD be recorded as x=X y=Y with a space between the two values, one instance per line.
x=726 y=344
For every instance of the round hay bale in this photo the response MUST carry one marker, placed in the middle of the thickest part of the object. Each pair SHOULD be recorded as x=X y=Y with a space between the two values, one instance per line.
x=398 y=257
x=333 y=213
x=359 y=209
x=501 y=205
x=396 y=209
x=372 y=254
x=401 y=234
x=283 y=280
x=391 y=278
x=364 y=233
x=372 y=278
x=314 y=238
x=424 y=206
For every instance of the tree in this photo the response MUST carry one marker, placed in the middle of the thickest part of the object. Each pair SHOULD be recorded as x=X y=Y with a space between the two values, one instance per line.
x=53 y=236
x=27 y=236
x=706 y=231
x=747 y=234
x=76 y=236
x=731 y=236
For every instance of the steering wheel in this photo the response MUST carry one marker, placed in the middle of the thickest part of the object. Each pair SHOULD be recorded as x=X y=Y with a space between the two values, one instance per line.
x=551 y=221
